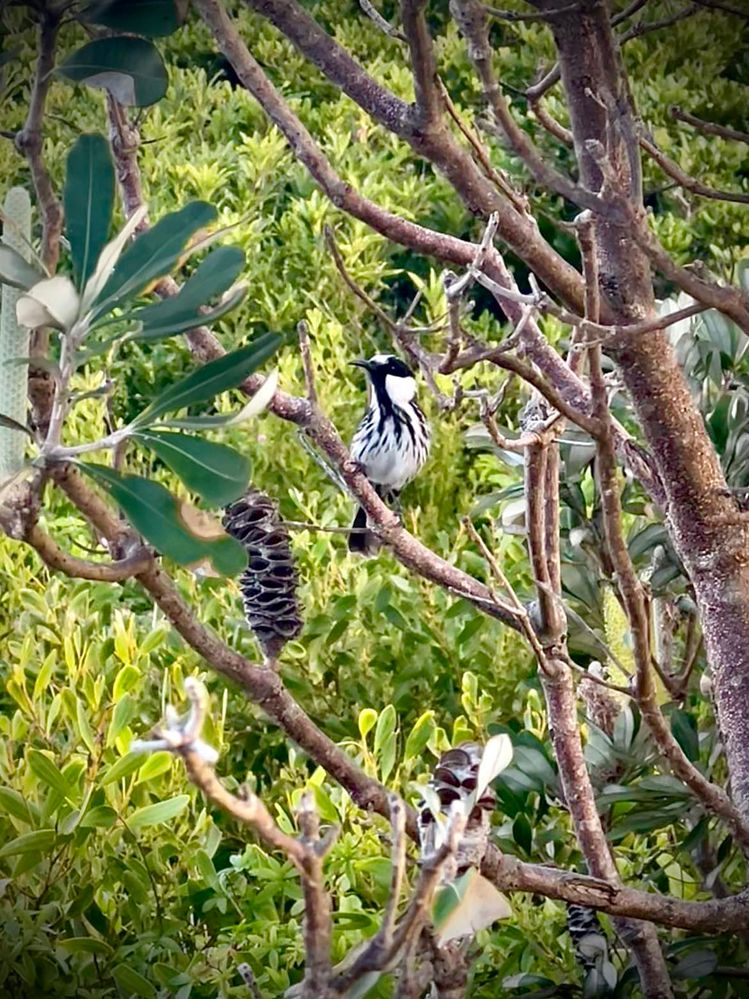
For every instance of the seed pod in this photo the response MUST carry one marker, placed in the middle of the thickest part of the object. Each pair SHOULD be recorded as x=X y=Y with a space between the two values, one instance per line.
x=454 y=779
x=269 y=582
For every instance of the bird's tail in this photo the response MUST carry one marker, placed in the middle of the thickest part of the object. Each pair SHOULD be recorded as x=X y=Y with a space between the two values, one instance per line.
x=360 y=540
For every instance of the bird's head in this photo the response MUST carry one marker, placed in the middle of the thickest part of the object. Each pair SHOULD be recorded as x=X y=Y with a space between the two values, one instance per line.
x=390 y=375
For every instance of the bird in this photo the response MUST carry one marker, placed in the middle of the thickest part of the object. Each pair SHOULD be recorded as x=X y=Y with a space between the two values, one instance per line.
x=391 y=442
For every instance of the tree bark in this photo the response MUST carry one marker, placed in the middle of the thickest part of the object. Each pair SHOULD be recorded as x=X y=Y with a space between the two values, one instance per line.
x=709 y=534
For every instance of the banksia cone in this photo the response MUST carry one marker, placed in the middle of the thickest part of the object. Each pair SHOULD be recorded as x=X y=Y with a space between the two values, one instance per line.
x=454 y=779
x=269 y=582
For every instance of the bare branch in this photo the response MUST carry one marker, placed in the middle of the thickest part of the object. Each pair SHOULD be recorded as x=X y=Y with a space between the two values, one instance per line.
x=107 y=572
x=423 y=61
x=309 y=370
x=689 y=183
x=29 y=140
x=473 y=24
x=709 y=127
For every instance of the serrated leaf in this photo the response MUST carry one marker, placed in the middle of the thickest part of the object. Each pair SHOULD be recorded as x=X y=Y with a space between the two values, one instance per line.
x=213 y=378
x=467 y=905
x=216 y=472
x=128 y=68
x=88 y=200
x=152 y=18
x=16 y=271
x=161 y=811
x=38 y=841
x=152 y=254
x=257 y=404
x=215 y=275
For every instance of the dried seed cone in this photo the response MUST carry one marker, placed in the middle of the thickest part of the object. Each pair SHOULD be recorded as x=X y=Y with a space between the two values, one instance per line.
x=269 y=582
x=454 y=778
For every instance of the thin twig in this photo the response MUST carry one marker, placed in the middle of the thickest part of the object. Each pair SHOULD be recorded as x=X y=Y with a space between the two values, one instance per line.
x=708 y=127
x=309 y=369
x=672 y=169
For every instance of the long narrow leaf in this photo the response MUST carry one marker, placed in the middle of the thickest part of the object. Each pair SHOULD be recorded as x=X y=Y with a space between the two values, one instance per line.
x=216 y=472
x=154 y=513
x=88 y=200
x=207 y=382
x=153 y=254
x=257 y=404
x=217 y=272
x=155 y=330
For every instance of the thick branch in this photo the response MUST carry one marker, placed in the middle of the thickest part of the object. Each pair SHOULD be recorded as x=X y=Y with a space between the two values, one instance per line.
x=423 y=61
x=434 y=142
x=29 y=140
x=106 y=572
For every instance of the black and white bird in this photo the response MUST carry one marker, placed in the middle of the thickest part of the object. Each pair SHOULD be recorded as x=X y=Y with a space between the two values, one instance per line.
x=391 y=442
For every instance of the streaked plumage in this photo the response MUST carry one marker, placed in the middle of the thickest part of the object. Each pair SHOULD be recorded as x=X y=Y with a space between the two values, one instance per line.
x=391 y=442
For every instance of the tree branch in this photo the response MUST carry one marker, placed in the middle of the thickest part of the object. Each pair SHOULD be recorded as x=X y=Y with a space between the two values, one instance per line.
x=709 y=127
x=672 y=169
x=423 y=61
x=113 y=572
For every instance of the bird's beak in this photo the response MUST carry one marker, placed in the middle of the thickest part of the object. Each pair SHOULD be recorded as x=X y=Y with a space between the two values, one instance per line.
x=362 y=364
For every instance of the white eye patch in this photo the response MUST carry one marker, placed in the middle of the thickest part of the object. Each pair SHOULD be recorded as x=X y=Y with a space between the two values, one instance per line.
x=401 y=390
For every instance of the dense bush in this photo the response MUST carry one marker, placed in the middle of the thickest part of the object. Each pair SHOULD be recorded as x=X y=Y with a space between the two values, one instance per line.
x=117 y=880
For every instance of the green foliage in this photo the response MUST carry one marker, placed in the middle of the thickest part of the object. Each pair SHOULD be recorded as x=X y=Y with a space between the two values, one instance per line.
x=116 y=880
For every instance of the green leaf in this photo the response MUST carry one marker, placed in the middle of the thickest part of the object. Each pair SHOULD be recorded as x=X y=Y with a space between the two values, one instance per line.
x=153 y=254
x=256 y=405
x=88 y=201
x=154 y=512
x=190 y=322
x=419 y=735
x=213 y=378
x=684 y=729
x=367 y=720
x=100 y=817
x=122 y=768
x=161 y=811
x=698 y=964
x=215 y=275
x=130 y=69
x=152 y=18
x=47 y=772
x=216 y=472
x=131 y=983
x=522 y=833
x=15 y=271
x=32 y=842
x=14 y=804
x=84 y=945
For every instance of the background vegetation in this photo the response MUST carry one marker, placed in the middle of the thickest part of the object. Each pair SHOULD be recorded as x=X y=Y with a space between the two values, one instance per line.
x=145 y=892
